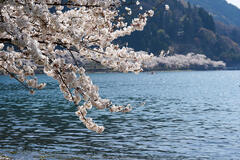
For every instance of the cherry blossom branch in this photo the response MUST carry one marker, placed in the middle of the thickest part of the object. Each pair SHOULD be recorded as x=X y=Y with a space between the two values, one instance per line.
x=80 y=5
x=15 y=77
x=5 y=40
x=85 y=29
x=61 y=77
x=73 y=57
x=87 y=5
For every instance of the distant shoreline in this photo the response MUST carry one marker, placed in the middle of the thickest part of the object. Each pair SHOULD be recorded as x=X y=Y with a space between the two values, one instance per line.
x=150 y=70
x=100 y=69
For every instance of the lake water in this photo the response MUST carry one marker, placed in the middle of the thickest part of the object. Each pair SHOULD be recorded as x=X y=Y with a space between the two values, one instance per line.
x=187 y=115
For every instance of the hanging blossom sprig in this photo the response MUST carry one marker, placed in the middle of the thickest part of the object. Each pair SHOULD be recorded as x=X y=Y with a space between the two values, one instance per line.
x=45 y=32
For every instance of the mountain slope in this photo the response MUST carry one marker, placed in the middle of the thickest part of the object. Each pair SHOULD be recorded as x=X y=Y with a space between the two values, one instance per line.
x=221 y=10
x=183 y=29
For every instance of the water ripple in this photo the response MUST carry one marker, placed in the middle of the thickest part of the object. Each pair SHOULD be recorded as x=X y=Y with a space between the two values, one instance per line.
x=187 y=115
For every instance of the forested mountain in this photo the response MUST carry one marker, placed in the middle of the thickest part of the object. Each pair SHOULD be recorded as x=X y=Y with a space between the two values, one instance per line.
x=220 y=10
x=226 y=16
x=183 y=29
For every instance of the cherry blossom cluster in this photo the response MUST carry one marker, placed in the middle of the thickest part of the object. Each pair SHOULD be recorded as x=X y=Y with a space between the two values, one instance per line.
x=58 y=35
x=178 y=61
x=42 y=33
x=12 y=63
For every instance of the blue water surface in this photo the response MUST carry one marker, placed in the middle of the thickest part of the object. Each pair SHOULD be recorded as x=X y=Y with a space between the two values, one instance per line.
x=187 y=115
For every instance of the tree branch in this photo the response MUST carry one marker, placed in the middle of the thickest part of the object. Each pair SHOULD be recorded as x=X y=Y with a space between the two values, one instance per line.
x=5 y=40
x=15 y=77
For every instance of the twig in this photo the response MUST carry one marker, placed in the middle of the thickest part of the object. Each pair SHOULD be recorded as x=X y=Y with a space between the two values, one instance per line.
x=74 y=59
x=62 y=79
x=15 y=77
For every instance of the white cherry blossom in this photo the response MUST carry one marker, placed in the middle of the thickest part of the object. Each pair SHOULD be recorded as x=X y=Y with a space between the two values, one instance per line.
x=57 y=36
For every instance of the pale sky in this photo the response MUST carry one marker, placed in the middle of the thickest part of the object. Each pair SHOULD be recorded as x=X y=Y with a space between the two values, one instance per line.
x=234 y=2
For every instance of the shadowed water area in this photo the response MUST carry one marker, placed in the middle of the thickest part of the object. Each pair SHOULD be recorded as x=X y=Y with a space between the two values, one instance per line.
x=187 y=115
